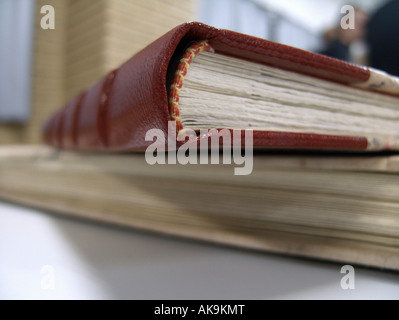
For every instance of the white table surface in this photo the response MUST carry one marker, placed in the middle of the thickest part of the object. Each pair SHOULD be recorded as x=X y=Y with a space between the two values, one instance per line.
x=46 y=256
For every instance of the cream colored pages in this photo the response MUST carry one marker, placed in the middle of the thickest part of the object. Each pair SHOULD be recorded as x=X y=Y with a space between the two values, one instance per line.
x=225 y=92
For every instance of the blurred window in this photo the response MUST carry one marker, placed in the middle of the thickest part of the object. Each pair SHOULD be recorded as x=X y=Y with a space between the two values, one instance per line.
x=16 y=33
x=251 y=17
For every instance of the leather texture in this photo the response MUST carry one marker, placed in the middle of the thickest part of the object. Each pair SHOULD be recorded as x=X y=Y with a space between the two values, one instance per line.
x=116 y=113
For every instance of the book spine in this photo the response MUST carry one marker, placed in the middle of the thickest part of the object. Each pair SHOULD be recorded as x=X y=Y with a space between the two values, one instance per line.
x=116 y=112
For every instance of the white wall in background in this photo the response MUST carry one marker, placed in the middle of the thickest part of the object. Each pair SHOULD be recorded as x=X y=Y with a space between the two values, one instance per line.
x=315 y=15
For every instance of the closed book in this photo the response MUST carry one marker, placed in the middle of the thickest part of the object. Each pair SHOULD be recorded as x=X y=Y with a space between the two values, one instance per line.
x=338 y=208
x=201 y=77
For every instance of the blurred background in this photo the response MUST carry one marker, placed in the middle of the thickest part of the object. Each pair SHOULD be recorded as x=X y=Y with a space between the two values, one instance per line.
x=41 y=69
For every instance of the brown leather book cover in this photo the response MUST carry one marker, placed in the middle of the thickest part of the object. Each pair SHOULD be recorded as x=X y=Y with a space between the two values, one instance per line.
x=116 y=113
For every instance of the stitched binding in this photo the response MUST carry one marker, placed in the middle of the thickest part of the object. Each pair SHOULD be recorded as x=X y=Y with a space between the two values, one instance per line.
x=181 y=72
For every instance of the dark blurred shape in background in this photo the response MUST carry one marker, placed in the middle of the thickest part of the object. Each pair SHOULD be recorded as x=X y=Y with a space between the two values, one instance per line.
x=348 y=44
x=383 y=38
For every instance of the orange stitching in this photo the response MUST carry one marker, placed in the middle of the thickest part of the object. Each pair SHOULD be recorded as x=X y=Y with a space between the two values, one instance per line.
x=181 y=72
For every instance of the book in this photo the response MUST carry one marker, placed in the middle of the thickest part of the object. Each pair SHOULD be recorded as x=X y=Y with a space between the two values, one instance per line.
x=201 y=77
x=334 y=207
x=338 y=203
